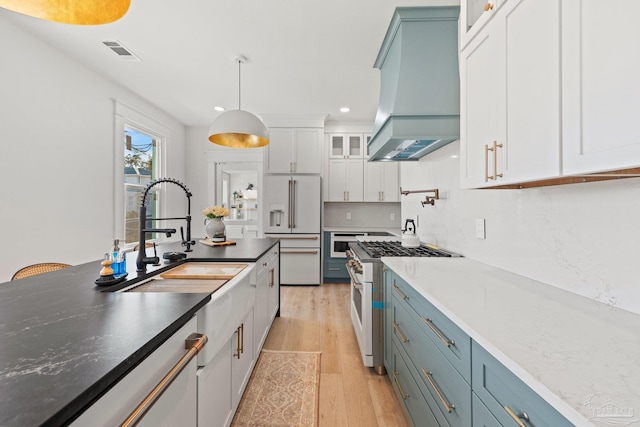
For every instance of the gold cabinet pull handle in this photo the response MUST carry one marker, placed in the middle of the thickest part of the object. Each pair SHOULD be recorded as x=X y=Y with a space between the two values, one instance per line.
x=399 y=332
x=436 y=331
x=399 y=292
x=495 y=160
x=487 y=177
x=429 y=376
x=273 y=280
x=193 y=344
x=402 y=393
x=237 y=354
x=517 y=417
x=488 y=6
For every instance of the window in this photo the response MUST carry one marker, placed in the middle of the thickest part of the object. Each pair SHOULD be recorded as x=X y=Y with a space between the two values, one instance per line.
x=139 y=140
x=140 y=158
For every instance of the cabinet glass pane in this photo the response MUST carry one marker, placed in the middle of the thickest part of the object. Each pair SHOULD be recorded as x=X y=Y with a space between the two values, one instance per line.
x=336 y=145
x=354 y=146
x=475 y=9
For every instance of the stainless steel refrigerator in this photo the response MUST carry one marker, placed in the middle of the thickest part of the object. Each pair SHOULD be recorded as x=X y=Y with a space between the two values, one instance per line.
x=292 y=209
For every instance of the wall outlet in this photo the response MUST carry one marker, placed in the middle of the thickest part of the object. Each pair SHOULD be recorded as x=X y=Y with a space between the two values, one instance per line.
x=348 y=215
x=480 y=228
x=392 y=217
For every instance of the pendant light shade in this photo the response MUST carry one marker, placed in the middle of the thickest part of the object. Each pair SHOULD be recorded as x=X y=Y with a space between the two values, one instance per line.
x=238 y=128
x=79 y=12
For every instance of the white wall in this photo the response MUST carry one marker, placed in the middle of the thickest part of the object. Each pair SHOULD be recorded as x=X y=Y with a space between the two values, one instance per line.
x=201 y=156
x=56 y=154
x=579 y=237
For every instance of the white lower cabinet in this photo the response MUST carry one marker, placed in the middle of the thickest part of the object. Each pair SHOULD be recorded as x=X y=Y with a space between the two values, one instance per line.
x=267 y=295
x=176 y=406
x=222 y=381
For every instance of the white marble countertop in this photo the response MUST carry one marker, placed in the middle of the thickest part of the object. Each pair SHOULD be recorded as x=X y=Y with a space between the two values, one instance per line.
x=576 y=353
x=393 y=231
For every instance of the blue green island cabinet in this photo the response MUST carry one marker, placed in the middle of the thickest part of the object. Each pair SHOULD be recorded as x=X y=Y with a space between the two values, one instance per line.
x=443 y=377
x=334 y=269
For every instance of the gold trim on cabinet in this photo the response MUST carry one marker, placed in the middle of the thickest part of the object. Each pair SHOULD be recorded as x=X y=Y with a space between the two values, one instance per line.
x=402 y=393
x=436 y=331
x=193 y=344
x=399 y=332
x=429 y=376
x=516 y=417
x=399 y=292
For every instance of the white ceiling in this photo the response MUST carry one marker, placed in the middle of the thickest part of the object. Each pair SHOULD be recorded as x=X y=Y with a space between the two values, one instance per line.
x=304 y=57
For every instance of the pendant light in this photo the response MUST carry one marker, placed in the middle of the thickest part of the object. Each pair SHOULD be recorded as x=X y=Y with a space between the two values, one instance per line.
x=79 y=12
x=238 y=128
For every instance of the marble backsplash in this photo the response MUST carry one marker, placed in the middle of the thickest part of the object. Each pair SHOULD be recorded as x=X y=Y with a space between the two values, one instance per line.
x=579 y=237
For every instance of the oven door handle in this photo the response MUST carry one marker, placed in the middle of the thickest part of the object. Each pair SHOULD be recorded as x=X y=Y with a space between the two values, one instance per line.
x=355 y=281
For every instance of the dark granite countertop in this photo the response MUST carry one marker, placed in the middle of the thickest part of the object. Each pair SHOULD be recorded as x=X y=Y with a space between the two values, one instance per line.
x=64 y=341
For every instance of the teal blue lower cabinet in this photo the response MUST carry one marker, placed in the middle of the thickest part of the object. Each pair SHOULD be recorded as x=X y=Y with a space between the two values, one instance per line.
x=481 y=415
x=387 y=328
x=506 y=396
x=335 y=270
x=415 y=406
x=445 y=391
x=448 y=338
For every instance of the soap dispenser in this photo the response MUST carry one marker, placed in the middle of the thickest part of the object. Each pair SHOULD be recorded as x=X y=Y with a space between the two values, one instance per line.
x=118 y=259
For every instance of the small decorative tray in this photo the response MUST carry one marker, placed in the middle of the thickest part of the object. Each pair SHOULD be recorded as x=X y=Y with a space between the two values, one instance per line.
x=208 y=242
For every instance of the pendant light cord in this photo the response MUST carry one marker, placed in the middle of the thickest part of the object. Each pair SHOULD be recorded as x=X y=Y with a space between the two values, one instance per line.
x=239 y=83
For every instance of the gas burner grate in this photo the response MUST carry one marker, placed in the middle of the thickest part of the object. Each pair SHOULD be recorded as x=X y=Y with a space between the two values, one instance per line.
x=380 y=249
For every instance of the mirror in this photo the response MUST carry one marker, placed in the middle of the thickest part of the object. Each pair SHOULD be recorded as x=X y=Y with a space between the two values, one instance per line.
x=239 y=190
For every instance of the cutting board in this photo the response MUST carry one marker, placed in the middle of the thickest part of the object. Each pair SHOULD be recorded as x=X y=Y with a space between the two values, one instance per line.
x=190 y=286
x=204 y=270
x=210 y=243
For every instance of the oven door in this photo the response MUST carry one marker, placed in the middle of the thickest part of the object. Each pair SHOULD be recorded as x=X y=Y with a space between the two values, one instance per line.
x=361 y=314
x=340 y=243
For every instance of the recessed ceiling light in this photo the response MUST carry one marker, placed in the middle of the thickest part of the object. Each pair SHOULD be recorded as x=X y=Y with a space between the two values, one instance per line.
x=345 y=109
x=218 y=108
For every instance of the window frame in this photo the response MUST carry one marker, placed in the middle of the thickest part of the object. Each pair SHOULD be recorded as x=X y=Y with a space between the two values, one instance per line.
x=127 y=117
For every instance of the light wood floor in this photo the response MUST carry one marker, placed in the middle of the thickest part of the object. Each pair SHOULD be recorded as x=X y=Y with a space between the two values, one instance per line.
x=317 y=318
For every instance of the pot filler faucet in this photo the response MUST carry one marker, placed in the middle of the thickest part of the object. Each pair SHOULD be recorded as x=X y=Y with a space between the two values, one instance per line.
x=142 y=260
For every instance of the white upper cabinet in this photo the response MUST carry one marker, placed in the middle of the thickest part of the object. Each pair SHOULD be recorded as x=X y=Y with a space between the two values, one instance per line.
x=510 y=97
x=343 y=146
x=600 y=85
x=381 y=181
x=474 y=14
x=294 y=150
x=548 y=90
x=346 y=180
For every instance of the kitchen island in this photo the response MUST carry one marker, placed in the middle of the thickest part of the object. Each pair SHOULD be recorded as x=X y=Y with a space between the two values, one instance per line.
x=64 y=342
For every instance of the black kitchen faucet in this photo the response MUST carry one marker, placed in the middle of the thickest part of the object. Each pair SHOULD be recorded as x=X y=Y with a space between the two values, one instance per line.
x=142 y=260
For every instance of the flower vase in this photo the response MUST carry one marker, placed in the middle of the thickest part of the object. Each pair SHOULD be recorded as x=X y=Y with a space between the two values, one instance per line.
x=215 y=229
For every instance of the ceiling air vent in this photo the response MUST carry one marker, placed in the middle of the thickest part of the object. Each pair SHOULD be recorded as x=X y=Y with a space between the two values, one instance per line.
x=121 y=50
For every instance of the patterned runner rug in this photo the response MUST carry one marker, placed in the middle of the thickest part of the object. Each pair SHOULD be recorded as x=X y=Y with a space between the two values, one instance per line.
x=283 y=391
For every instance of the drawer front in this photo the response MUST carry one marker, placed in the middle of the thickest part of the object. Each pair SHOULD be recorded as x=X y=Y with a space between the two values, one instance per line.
x=448 y=338
x=336 y=269
x=408 y=392
x=298 y=240
x=502 y=392
x=446 y=392
x=481 y=415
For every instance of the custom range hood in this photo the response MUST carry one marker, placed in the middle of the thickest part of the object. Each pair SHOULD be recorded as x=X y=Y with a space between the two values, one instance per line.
x=419 y=107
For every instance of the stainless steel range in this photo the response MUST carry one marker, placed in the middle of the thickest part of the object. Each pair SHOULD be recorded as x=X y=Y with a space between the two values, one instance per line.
x=365 y=269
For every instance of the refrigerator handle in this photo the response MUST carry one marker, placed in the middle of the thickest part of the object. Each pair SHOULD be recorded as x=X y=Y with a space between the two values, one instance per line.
x=289 y=203
x=293 y=205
